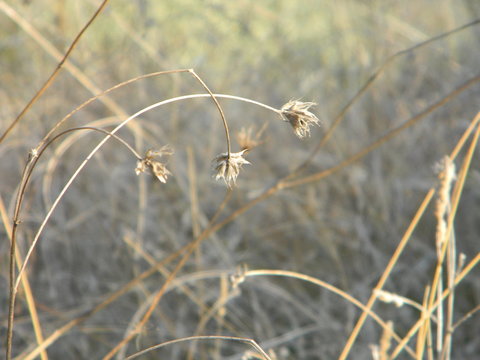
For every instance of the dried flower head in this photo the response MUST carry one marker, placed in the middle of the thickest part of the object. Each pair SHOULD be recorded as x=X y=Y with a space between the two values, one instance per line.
x=228 y=168
x=249 y=138
x=148 y=163
x=297 y=114
x=239 y=276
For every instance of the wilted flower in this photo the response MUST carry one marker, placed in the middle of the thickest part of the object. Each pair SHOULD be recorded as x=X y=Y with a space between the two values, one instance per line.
x=228 y=168
x=148 y=163
x=297 y=114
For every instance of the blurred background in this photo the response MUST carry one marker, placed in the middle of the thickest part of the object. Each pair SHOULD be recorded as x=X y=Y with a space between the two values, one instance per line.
x=111 y=225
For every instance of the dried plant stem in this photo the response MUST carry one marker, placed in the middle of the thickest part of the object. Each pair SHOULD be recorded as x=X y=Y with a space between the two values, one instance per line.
x=425 y=329
x=82 y=165
x=413 y=330
x=222 y=114
x=13 y=255
x=250 y=342
x=402 y=244
x=109 y=134
x=127 y=82
x=10 y=12
x=213 y=228
x=386 y=273
x=436 y=283
x=103 y=93
x=331 y=288
x=25 y=283
x=239 y=98
x=466 y=317
x=451 y=270
x=25 y=180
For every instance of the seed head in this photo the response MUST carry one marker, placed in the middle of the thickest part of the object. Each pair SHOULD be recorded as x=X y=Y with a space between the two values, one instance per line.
x=249 y=138
x=297 y=114
x=157 y=168
x=228 y=168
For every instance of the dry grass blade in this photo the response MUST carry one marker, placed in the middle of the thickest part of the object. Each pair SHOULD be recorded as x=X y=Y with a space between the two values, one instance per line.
x=329 y=287
x=423 y=333
x=413 y=330
x=25 y=284
x=457 y=191
x=401 y=246
x=250 y=342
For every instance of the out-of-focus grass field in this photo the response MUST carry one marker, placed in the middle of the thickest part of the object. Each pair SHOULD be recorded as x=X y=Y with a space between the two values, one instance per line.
x=112 y=225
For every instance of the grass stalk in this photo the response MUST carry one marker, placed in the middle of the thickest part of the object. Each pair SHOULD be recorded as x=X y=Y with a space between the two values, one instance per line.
x=14 y=15
x=247 y=341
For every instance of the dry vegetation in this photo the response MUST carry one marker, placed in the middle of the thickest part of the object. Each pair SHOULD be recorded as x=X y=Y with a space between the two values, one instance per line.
x=358 y=241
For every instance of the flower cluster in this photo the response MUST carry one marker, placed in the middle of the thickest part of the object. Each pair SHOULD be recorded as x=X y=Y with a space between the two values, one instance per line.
x=228 y=167
x=157 y=168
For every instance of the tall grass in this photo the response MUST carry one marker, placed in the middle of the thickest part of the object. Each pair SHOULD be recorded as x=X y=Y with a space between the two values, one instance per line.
x=255 y=233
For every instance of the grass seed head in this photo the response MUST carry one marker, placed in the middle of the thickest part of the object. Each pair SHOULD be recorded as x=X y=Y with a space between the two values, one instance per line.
x=228 y=168
x=297 y=114
x=150 y=164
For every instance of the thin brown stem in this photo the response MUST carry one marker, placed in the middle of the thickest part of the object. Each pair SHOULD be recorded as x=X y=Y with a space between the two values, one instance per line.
x=48 y=82
x=224 y=120
x=27 y=172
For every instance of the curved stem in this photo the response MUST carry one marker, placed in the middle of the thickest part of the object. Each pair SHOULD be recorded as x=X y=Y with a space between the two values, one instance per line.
x=105 y=92
x=31 y=165
x=239 y=98
x=110 y=134
x=206 y=337
x=331 y=288
x=224 y=120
